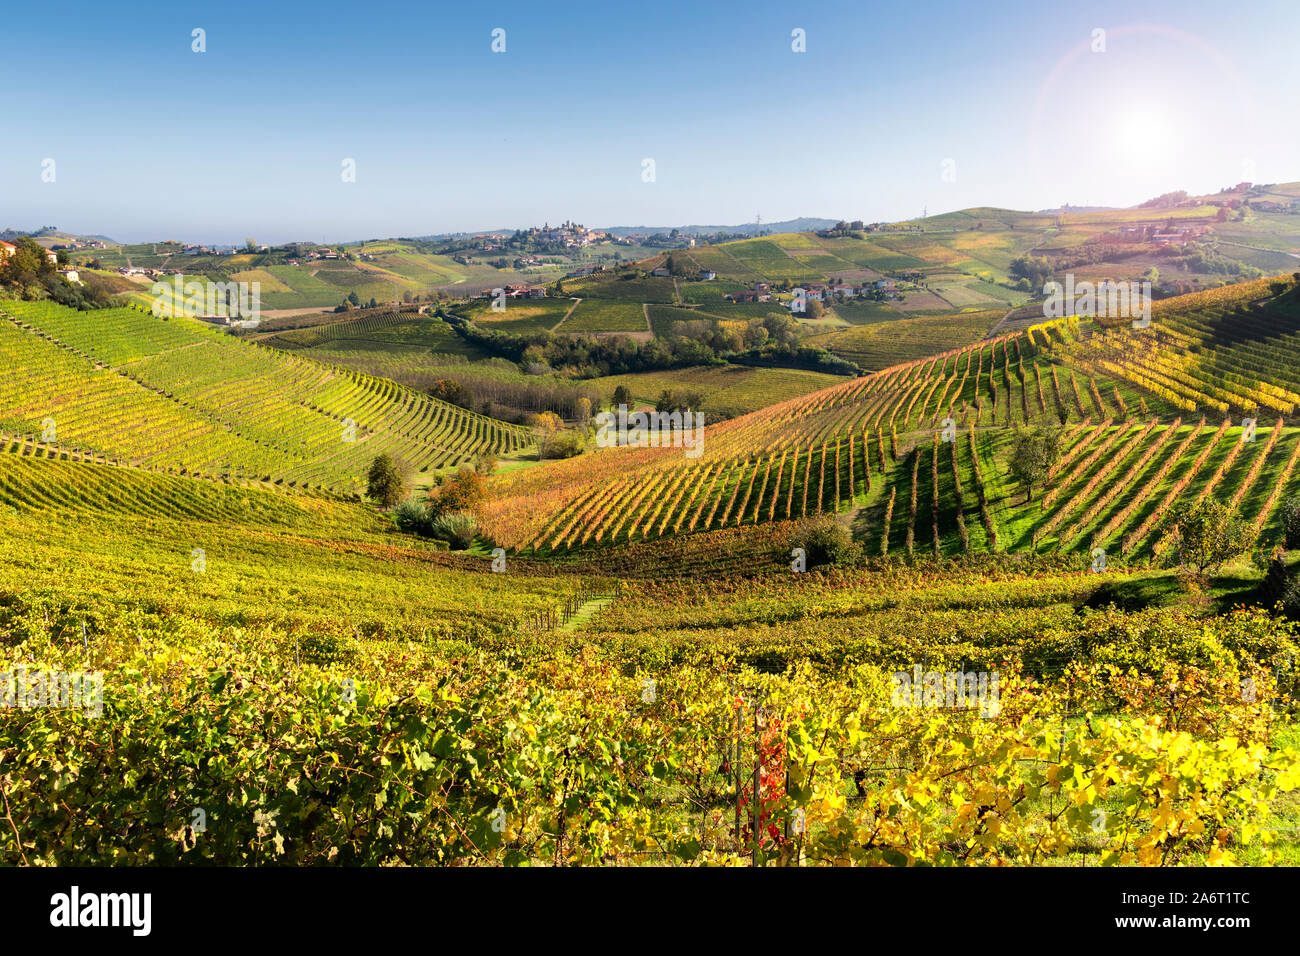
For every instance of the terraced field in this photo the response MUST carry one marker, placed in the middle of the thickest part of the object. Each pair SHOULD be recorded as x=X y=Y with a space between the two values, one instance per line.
x=180 y=395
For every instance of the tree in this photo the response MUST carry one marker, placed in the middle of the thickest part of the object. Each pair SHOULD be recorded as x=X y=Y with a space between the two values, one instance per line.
x=465 y=491
x=1291 y=522
x=1033 y=453
x=384 y=482
x=1208 y=533
x=547 y=421
x=622 y=396
x=353 y=299
x=450 y=390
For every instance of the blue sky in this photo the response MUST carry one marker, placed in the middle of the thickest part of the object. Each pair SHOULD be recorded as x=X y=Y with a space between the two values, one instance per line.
x=151 y=140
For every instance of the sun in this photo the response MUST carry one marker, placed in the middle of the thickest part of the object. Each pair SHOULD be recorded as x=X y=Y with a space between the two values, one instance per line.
x=1144 y=137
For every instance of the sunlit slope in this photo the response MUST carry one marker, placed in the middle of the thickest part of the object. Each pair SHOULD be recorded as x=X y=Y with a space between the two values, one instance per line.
x=919 y=452
x=176 y=394
x=89 y=542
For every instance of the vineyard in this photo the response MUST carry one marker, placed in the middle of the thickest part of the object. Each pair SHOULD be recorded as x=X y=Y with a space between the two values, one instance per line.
x=644 y=675
x=179 y=396
x=1231 y=350
x=916 y=456
x=381 y=708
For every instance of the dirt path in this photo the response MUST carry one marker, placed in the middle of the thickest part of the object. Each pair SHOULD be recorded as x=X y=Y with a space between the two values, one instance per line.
x=992 y=333
x=556 y=326
x=645 y=310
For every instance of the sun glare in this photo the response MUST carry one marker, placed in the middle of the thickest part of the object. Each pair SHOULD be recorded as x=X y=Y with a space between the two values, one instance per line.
x=1144 y=137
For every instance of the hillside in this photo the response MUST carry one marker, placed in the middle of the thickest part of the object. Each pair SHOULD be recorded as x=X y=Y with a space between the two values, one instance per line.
x=644 y=667
x=1151 y=420
x=183 y=396
x=305 y=276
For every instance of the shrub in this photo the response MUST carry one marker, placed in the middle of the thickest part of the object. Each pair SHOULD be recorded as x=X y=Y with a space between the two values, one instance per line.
x=828 y=542
x=458 y=529
x=1291 y=600
x=412 y=517
x=1291 y=522
x=565 y=444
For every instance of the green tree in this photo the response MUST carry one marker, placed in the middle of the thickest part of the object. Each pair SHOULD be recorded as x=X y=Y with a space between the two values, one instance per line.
x=384 y=482
x=622 y=396
x=1208 y=533
x=1033 y=453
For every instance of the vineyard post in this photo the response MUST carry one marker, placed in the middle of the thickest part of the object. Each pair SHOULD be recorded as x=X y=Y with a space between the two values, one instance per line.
x=735 y=764
x=755 y=807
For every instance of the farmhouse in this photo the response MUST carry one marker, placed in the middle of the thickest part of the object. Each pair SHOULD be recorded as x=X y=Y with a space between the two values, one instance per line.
x=746 y=295
x=7 y=249
x=661 y=272
x=708 y=275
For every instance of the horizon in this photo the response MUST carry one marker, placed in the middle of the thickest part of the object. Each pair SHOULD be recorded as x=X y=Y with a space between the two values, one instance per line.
x=1021 y=111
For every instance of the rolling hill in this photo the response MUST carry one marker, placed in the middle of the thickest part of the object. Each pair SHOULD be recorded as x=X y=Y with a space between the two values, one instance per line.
x=180 y=395
x=915 y=453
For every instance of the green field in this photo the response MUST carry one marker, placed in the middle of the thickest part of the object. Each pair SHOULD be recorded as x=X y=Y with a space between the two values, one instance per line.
x=605 y=315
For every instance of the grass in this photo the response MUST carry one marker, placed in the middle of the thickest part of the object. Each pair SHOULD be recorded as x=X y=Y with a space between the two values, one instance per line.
x=604 y=315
